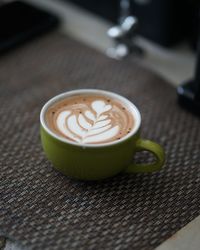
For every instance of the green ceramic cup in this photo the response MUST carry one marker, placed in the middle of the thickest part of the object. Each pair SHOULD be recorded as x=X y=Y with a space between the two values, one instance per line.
x=98 y=161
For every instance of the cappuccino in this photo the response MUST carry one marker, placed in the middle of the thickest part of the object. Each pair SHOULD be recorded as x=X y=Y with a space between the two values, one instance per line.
x=90 y=119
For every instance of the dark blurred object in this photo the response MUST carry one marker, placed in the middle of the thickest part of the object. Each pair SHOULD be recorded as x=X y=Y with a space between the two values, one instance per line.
x=104 y=8
x=193 y=22
x=166 y=22
x=20 y=22
x=189 y=93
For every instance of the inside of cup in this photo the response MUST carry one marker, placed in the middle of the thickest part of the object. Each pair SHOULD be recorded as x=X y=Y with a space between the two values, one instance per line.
x=131 y=107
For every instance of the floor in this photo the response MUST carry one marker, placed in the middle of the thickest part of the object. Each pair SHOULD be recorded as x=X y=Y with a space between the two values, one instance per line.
x=176 y=65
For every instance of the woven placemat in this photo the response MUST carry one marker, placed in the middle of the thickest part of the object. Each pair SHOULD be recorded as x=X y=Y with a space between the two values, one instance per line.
x=42 y=209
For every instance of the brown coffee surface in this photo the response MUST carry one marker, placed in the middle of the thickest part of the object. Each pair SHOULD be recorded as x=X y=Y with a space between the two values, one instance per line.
x=90 y=119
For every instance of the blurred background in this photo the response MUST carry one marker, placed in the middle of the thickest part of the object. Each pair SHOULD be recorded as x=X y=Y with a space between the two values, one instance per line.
x=162 y=35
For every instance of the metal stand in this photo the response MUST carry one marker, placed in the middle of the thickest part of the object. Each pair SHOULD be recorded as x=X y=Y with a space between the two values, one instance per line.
x=123 y=34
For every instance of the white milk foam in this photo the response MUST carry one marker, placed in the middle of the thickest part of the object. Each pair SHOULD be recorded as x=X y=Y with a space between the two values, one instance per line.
x=90 y=119
x=92 y=126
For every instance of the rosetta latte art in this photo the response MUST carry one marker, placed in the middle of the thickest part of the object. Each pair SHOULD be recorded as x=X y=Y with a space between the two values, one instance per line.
x=90 y=120
x=91 y=126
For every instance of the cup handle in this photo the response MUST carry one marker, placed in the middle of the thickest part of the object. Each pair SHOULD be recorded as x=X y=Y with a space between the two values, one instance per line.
x=155 y=149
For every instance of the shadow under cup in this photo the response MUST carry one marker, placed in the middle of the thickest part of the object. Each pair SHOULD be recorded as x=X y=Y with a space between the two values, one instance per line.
x=98 y=161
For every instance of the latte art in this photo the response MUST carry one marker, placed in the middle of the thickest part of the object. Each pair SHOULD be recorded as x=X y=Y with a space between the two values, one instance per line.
x=90 y=119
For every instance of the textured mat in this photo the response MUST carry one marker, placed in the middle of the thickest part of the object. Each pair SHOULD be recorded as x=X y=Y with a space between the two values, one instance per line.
x=42 y=209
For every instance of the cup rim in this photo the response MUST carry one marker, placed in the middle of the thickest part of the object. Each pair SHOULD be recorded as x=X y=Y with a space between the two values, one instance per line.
x=134 y=110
